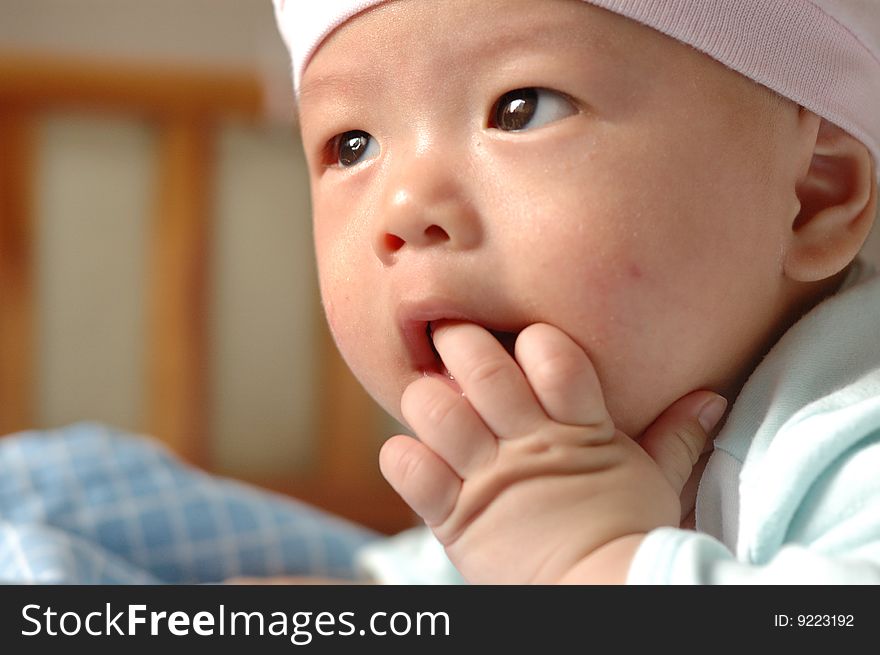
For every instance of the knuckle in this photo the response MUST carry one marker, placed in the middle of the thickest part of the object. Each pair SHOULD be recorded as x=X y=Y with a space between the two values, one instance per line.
x=423 y=399
x=540 y=443
x=437 y=408
x=487 y=371
x=689 y=441
x=557 y=444
x=407 y=465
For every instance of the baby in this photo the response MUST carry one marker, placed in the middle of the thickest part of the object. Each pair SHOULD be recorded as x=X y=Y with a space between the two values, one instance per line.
x=556 y=238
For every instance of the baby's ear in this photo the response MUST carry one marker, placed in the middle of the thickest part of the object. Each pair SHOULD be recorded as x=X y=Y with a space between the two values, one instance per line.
x=838 y=203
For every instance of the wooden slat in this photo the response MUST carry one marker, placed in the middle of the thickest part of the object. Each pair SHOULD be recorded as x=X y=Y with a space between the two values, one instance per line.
x=177 y=352
x=16 y=271
x=131 y=87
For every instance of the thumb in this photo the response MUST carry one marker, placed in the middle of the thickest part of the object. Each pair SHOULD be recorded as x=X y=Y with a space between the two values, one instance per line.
x=676 y=438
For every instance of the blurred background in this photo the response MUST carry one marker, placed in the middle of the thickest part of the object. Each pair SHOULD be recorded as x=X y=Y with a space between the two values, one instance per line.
x=156 y=268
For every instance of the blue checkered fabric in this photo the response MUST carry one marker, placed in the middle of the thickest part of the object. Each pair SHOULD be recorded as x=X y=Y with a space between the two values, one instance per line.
x=88 y=504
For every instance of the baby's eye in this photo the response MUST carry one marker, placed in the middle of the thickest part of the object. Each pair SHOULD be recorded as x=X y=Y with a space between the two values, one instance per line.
x=529 y=108
x=350 y=148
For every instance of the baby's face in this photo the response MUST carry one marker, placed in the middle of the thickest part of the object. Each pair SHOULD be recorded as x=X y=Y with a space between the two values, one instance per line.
x=544 y=162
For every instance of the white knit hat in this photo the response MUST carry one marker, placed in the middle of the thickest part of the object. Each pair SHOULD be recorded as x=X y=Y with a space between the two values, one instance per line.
x=822 y=54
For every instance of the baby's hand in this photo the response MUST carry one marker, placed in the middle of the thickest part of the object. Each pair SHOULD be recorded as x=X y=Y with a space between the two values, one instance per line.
x=522 y=475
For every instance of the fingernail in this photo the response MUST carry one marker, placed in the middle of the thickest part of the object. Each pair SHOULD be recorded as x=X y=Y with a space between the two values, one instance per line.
x=712 y=412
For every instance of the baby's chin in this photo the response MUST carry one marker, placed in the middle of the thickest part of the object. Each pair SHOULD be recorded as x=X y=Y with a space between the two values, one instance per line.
x=385 y=390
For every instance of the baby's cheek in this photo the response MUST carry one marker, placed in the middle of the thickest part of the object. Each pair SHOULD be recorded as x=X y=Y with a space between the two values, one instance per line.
x=622 y=323
x=342 y=326
x=594 y=299
x=346 y=331
x=331 y=313
x=353 y=331
x=336 y=291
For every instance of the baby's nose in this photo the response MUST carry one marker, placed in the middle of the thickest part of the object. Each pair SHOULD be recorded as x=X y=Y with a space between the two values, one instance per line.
x=424 y=212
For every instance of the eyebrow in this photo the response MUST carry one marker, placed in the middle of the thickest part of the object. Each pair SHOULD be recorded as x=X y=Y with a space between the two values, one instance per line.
x=336 y=82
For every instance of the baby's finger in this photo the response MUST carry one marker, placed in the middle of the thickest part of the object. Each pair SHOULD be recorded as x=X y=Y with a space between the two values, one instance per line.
x=562 y=377
x=678 y=436
x=420 y=477
x=490 y=379
x=445 y=422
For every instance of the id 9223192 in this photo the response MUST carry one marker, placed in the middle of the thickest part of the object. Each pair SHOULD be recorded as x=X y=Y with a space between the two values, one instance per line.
x=813 y=621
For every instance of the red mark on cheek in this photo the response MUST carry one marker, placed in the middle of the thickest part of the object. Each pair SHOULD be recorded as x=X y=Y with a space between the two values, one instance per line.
x=635 y=272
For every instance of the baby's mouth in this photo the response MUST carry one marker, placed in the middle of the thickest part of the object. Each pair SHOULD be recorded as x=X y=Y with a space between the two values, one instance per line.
x=506 y=339
x=438 y=361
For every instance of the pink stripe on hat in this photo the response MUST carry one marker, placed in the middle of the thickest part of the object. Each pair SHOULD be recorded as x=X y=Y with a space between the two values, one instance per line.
x=822 y=54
